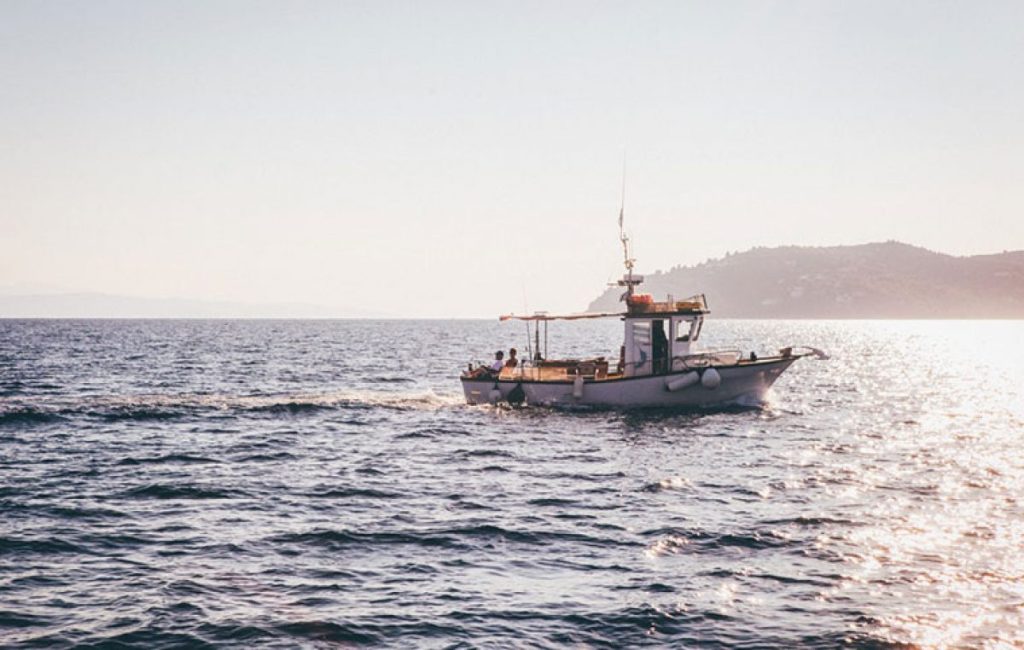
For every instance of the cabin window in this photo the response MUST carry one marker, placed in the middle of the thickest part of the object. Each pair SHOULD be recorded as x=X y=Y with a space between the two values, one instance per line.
x=642 y=333
x=688 y=330
x=683 y=328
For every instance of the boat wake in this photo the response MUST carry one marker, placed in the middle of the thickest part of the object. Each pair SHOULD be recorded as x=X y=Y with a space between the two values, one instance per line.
x=41 y=410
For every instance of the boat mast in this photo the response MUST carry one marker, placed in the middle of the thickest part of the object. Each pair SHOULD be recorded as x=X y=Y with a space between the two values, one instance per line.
x=628 y=280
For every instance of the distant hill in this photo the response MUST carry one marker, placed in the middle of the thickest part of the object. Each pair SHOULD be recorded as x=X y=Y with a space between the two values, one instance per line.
x=884 y=280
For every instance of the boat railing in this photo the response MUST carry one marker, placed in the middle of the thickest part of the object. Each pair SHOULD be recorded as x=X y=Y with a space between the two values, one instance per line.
x=598 y=369
x=557 y=370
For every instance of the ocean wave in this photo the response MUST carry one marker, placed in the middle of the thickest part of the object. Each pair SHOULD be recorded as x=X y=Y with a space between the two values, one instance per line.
x=671 y=541
x=812 y=522
x=462 y=537
x=134 y=413
x=332 y=633
x=554 y=502
x=25 y=416
x=484 y=453
x=161 y=491
x=150 y=637
x=86 y=514
x=15 y=620
x=291 y=407
x=8 y=388
x=336 y=539
x=185 y=459
x=353 y=493
x=671 y=483
x=47 y=546
x=259 y=457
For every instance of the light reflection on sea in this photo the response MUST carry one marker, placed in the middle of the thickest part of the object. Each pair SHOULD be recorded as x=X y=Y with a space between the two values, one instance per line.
x=938 y=483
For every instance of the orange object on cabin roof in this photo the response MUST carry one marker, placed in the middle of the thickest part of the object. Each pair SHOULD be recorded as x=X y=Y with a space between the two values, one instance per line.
x=641 y=299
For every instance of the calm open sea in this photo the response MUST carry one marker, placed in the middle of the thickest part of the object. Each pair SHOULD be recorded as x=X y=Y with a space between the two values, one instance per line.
x=315 y=483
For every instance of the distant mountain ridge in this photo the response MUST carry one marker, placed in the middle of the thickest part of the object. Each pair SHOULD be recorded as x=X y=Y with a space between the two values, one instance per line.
x=879 y=280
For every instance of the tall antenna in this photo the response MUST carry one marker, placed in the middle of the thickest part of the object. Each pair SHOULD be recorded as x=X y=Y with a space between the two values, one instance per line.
x=622 y=218
x=627 y=280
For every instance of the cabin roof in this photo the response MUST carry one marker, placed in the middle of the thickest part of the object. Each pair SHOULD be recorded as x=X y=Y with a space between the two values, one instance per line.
x=580 y=316
x=647 y=308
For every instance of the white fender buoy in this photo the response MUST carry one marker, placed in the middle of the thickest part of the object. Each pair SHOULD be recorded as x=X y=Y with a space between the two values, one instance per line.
x=679 y=383
x=711 y=379
x=495 y=396
x=577 y=387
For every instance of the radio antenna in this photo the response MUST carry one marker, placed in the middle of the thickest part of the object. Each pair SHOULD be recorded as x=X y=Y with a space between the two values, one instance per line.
x=627 y=280
x=622 y=220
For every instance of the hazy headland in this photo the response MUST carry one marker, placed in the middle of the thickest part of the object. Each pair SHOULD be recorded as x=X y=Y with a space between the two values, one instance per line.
x=881 y=280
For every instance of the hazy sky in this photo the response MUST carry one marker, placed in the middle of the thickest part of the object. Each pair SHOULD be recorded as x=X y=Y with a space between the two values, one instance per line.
x=444 y=159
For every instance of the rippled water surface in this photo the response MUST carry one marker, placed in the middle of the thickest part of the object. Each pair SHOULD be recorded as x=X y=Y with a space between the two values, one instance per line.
x=283 y=483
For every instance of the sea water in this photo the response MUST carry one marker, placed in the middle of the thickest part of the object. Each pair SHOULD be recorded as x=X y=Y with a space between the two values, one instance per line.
x=315 y=483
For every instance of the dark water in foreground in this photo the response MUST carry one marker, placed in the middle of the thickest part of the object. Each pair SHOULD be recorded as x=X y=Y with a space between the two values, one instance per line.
x=260 y=483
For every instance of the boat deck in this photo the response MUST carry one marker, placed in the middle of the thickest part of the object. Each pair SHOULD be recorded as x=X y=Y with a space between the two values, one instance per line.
x=557 y=373
x=597 y=370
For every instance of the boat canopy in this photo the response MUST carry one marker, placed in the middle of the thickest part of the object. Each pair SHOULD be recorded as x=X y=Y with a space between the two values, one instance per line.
x=544 y=316
x=639 y=305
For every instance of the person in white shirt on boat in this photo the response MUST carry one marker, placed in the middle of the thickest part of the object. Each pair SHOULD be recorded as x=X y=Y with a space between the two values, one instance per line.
x=499 y=362
x=492 y=370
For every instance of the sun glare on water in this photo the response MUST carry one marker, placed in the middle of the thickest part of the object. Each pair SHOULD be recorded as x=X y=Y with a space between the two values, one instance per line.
x=941 y=489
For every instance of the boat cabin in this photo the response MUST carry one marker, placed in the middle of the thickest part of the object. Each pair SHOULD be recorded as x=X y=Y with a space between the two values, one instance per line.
x=659 y=334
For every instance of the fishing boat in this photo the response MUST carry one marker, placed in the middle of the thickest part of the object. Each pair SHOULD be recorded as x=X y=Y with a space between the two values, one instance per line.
x=660 y=362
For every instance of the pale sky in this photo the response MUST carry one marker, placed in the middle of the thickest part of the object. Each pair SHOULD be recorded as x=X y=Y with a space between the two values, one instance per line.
x=447 y=159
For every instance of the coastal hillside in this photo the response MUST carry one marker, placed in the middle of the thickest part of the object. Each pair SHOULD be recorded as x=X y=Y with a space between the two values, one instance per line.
x=882 y=280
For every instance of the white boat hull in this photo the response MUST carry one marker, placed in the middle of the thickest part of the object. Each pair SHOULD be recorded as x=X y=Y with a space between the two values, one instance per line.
x=740 y=384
